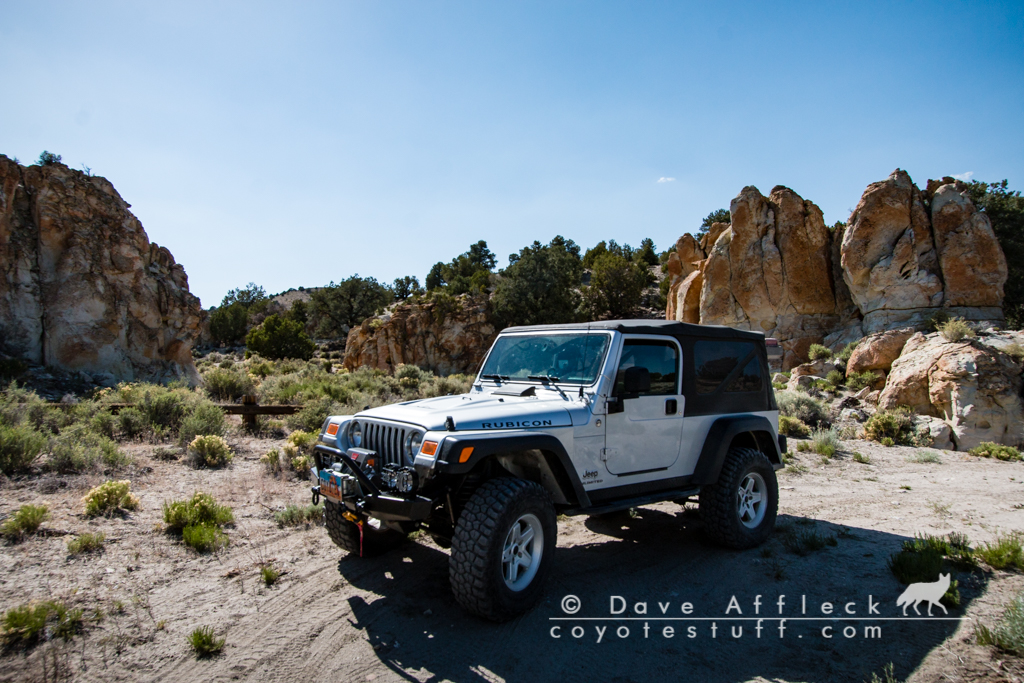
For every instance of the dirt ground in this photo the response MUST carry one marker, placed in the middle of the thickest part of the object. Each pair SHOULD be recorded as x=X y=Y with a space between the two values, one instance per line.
x=332 y=617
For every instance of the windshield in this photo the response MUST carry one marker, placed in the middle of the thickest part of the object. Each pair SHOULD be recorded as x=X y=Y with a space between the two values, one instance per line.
x=573 y=358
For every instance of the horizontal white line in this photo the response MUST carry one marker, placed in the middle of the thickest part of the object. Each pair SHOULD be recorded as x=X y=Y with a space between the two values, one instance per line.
x=758 y=618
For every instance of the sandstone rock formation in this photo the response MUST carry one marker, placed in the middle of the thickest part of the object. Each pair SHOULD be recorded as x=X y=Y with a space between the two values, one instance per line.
x=81 y=286
x=878 y=351
x=904 y=256
x=972 y=385
x=435 y=337
x=771 y=270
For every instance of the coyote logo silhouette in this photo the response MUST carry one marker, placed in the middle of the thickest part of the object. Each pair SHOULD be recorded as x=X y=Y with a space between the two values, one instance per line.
x=924 y=592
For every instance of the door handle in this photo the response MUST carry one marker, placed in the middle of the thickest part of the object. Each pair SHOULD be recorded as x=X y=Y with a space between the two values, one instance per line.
x=671 y=406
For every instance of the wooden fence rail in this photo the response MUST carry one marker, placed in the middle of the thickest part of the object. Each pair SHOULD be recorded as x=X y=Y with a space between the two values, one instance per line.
x=248 y=409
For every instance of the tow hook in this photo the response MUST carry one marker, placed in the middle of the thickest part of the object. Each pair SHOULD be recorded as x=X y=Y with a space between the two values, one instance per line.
x=350 y=517
x=316 y=494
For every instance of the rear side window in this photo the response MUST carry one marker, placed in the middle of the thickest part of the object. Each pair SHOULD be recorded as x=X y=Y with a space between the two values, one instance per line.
x=727 y=367
x=660 y=358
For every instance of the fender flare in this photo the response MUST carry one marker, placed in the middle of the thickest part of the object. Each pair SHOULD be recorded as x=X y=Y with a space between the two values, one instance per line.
x=485 y=446
x=720 y=438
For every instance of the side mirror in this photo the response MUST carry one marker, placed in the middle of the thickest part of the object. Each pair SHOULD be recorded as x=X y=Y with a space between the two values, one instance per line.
x=636 y=381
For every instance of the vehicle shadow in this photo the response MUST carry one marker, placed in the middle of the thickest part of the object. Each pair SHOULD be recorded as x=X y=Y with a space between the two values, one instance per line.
x=658 y=557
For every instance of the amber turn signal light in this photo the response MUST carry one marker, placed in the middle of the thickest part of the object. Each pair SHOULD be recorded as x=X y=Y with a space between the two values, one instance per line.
x=429 y=448
x=332 y=429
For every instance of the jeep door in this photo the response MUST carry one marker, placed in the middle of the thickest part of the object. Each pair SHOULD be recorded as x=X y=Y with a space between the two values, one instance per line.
x=645 y=422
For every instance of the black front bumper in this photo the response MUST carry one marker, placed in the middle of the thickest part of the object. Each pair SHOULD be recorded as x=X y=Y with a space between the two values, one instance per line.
x=373 y=502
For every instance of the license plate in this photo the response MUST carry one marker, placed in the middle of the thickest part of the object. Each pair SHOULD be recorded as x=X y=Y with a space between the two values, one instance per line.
x=330 y=484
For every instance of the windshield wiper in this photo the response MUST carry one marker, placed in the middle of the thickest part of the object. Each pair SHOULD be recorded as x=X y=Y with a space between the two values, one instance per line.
x=549 y=382
x=499 y=378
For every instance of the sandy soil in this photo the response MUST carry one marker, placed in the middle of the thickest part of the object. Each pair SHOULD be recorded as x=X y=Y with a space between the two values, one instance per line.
x=337 y=618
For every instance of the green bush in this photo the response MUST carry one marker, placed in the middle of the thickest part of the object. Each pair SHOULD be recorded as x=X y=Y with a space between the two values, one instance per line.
x=109 y=497
x=338 y=307
x=86 y=543
x=826 y=442
x=924 y=457
x=204 y=642
x=278 y=338
x=819 y=352
x=78 y=449
x=955 y=547
x=206 y=419
x=858 y=380
x=847 y=351
x=209 y=451
x=201 y=508
x=296 y=515
x=269 y=574
x=896 y=425
x=48 y=159
x=20 y=446
x=956 y=329
x=204 y=538
x=1008 y=635
x=1004 y=553
x=807 y=409
x=26 y=625
x=302 y=439
x=791 y=426
x=835 y=378
x=24 y=522
x=313 y=414
x=131 y=422
x=916 y=566
x=807 y=542
x=988 y=449
x=228 y=385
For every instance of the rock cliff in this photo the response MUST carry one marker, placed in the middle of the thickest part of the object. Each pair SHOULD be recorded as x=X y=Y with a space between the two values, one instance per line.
x=81 y=286
x=445 y=336
x=903 y=256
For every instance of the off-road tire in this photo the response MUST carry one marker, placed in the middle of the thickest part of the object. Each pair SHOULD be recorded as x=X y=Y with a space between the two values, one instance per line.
x=475 y=566
x=719 y=506
x=345 y=534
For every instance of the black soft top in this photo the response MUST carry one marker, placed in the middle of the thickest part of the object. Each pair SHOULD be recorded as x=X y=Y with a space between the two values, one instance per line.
x=666 y=327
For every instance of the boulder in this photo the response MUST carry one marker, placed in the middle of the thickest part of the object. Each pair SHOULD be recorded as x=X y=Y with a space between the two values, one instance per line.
x=878 y=351
x=81 y=286
x=888 y=254
x=779 y=378
x=934 y=433
x=972 y=262
x=972 y=385
x=419 y=334
x=817 y=368
x=804 y=382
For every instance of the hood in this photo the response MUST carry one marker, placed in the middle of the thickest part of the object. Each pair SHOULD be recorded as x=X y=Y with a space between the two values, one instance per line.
x=482 y=411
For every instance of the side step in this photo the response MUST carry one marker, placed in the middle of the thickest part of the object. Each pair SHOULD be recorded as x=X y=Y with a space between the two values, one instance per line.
x=626 y=503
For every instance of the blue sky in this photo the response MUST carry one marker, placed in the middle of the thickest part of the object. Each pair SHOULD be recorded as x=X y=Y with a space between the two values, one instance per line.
x=295 y=145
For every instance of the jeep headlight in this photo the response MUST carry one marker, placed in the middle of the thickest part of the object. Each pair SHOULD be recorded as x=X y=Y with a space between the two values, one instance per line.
x=412 y=445
x=355 y=434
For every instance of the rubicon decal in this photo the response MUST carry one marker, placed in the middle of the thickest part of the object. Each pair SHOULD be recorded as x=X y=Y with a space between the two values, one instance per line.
x=515 y=424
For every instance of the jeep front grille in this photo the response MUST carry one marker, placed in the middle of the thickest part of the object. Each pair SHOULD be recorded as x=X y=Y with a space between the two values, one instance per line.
x=386 y=439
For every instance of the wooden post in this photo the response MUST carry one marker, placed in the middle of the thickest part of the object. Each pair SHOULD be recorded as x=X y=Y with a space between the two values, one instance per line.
x=249 y=419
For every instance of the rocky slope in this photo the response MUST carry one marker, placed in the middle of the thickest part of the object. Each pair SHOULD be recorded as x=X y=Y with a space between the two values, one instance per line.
x=904 y=255
x=81 y=286
x=444 y=336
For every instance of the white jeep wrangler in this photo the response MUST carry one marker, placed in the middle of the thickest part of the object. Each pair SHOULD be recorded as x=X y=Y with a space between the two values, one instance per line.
x=571 y=419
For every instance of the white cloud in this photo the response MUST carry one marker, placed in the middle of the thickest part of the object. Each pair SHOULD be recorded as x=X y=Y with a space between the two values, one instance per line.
x=966 y=177
x=663 y=179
